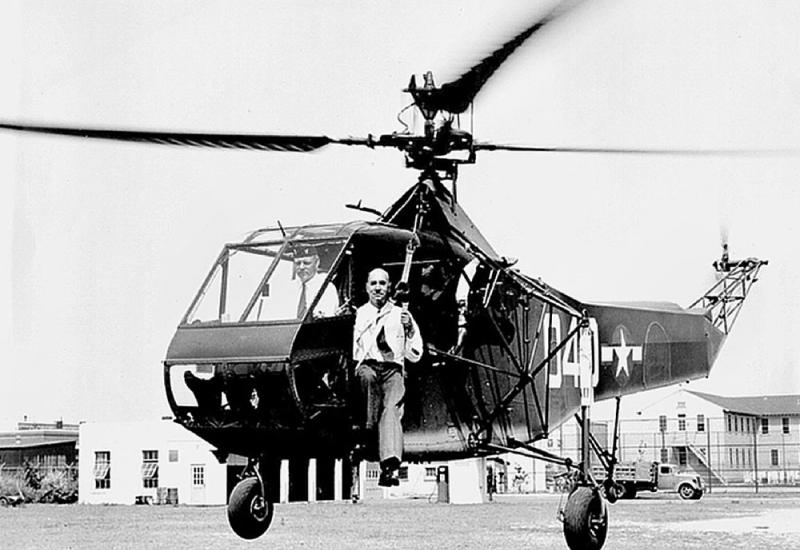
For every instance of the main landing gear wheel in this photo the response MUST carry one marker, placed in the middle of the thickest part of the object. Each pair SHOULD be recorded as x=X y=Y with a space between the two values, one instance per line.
x=585 y=519
x=249 y=513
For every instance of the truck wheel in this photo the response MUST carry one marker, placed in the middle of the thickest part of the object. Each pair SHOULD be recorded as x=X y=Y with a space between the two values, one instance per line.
x=686 y=491
x=249 y=513
x=3 y=502
x=629 y=491
x=585 y=519
x=613 y=491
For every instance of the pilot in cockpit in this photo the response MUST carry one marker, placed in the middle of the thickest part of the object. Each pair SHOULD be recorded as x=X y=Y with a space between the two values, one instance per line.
x=309 y=281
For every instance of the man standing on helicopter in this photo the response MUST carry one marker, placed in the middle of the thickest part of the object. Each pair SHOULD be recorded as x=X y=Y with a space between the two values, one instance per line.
x=385 y=335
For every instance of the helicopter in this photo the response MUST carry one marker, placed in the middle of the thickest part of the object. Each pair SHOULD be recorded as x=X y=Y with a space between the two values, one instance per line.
x=504 y=365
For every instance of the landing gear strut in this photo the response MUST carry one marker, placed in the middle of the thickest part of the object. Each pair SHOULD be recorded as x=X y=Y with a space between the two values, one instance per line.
x=249 y=511
x=586 y=513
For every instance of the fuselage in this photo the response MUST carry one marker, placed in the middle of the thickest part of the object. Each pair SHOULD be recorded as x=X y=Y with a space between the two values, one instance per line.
x=502 y=360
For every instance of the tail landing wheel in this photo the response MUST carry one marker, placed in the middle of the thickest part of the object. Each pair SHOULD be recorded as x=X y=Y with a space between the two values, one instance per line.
x=585 y=519
x=249 y=512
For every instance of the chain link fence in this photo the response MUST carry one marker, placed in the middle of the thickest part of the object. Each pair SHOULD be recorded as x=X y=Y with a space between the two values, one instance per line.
x=730 y=451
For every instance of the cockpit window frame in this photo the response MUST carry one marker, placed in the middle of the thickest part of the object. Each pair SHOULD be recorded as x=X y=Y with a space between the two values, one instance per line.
x=290 y=243
x=337 y=235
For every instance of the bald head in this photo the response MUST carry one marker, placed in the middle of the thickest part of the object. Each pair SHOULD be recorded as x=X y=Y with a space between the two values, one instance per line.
x=378 y=287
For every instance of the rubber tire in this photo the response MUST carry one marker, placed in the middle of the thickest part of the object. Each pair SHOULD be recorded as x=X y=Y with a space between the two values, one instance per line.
x=612 y=493
x=249 y=514
x=686 y=491
x=3 y=502
x=585 y=519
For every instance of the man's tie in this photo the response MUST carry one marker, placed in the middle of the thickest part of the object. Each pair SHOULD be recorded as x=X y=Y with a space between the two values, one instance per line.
x=301 y=303
x=383 y=345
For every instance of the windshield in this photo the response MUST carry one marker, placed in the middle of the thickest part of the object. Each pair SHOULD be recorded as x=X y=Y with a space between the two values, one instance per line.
x=265 y=279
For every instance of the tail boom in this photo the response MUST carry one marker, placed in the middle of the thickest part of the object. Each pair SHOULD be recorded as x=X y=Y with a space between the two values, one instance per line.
x=649 y=345
x=646 y=346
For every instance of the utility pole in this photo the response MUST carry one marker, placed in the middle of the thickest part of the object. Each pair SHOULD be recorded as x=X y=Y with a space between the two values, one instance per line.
x=755 y=450
x=708 y=452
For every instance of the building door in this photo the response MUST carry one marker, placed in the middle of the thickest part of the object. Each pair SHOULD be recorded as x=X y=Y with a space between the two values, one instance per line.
x=198 y=491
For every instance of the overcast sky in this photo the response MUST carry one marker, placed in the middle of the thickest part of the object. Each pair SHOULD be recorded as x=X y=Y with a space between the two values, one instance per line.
x=108 y=242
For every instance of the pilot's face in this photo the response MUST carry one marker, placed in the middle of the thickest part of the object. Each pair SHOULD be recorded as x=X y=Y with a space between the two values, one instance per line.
x=378 y=288
x=306 y=267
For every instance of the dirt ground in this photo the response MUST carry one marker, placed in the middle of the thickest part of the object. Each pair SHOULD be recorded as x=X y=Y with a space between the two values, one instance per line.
x=716 y=522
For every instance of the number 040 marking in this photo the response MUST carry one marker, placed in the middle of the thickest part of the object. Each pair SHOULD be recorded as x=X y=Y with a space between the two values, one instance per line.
x=584 y=347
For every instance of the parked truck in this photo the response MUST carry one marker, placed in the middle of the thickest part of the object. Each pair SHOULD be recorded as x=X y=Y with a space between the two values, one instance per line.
x=632 y=477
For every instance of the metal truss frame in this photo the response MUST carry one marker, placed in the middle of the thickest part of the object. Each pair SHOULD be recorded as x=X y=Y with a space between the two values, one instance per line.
x=725 y=298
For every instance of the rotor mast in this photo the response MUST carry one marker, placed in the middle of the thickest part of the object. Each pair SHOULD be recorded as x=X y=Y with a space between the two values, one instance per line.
x=442 y=146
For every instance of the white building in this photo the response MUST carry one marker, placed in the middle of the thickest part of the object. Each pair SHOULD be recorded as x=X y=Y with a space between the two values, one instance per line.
x=465 y=481
x=726 y=439
x=121 y=462
x=154 y=461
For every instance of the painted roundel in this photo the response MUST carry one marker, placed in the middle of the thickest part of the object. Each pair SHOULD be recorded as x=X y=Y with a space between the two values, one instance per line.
x=620 y=356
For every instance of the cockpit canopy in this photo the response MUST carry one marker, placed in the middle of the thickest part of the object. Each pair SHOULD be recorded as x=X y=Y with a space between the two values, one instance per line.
x=272 y=275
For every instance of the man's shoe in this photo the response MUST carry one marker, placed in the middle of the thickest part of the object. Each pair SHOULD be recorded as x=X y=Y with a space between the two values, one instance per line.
x=388 y=479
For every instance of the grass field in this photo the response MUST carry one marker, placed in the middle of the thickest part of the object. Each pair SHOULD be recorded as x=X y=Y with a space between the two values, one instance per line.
x=656 y=521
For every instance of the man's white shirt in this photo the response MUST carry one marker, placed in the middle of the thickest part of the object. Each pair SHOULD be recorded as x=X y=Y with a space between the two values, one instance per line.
x=369 y=322
x=285 y=306
x=329 y=301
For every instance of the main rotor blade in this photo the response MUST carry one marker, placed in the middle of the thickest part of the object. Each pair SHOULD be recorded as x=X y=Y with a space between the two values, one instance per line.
x=456 y=96
x=638 y=151
x=261 y=142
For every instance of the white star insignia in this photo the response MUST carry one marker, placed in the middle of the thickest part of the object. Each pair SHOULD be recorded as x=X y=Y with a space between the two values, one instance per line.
x=624 y=354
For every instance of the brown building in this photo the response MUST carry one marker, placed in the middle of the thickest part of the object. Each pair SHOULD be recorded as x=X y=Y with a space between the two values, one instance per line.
x=44 y=446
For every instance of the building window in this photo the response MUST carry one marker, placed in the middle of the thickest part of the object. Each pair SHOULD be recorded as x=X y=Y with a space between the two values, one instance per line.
x=735 y=423
x=664 y=454
x=102 y=470
x=701 y=423
x=737 y=456
x=749 y=457
x=681 y=405
x=402 y=473
x=173 y=455
x=149 y=469
x=774 y=455
x=430 y=472
x=765 y=425
x=730 y=456
x=198 y=475
x=662 y=423
x=682 y=456
x=730 y=423
x=785 y=425
x=53 y=462
x=681 y=422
